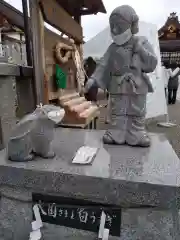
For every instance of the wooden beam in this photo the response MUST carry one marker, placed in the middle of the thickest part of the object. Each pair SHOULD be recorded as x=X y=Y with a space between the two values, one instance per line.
x=13 y=15
x=71 y=5
x=88 y=12
x=38 y=62
x=56 y=16
x=77 y=18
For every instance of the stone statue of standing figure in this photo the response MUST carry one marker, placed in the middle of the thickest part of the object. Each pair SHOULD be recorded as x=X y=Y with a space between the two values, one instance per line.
x=123 y=72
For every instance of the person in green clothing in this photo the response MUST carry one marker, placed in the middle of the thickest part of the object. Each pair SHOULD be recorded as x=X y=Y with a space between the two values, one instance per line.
x=61 y=78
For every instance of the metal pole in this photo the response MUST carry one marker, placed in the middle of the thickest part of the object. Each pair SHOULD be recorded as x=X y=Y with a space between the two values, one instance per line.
x=27 y=32
x=1 y=47
x=28 y=42
x=38 y=59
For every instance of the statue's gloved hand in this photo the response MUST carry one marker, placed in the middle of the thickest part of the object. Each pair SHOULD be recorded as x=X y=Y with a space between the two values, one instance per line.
x=90 y=83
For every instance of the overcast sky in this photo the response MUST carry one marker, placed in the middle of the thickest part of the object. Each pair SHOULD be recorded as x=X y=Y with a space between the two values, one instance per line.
x=153 y=11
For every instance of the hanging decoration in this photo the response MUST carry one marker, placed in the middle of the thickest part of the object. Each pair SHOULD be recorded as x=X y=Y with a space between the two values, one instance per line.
x=63 y=52
x=80 y=69
x=61 y=78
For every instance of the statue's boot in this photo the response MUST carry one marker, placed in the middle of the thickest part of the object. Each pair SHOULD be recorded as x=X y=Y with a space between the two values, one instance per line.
x=108 y=139
x=49 y=154
x=136 y=134
x=27 y=158
x=112 y=138
x=144 y=141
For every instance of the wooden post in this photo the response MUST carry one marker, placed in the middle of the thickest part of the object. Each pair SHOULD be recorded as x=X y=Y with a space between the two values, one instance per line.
x=1 y=48
x=27 y=32
x=38 y=49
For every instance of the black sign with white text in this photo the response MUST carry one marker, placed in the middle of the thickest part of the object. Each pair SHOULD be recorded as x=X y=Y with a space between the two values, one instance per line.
x=79 y=214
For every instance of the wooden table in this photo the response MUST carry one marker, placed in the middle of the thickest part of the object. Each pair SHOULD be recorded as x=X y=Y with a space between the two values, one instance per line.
x=90 y=124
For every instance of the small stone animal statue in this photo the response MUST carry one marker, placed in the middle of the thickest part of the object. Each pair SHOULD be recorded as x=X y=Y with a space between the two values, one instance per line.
x=32 y=136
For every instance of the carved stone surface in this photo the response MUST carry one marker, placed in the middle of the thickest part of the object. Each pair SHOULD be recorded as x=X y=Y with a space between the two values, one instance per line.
x=150 y=224
x=120 y=175
x=15 y=218
x=136 y=224
x=7 y=106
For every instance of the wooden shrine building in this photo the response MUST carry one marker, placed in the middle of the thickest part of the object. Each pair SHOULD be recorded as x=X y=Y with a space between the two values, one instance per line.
x=64 y=16
x=46 y=49
x=169 y=40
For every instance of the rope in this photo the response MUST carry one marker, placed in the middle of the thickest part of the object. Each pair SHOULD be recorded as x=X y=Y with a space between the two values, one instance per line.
x=62 y=46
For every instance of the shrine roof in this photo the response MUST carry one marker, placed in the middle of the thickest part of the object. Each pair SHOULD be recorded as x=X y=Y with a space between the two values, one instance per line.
x=171 y=28
x=85 y=7
x=13 y=15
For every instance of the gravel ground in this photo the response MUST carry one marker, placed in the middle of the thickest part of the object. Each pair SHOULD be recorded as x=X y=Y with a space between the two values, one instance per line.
x=172 y=134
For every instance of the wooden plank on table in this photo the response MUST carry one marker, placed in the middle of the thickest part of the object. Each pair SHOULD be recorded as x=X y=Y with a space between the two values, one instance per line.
x=56 y=16
x=79 y=122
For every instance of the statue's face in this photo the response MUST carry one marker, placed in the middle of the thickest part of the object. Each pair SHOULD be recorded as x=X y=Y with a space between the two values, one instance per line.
x=122 y=18
x=135 y=27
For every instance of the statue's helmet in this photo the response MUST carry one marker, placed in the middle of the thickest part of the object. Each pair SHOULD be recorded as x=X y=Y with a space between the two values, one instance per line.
x=123 y=18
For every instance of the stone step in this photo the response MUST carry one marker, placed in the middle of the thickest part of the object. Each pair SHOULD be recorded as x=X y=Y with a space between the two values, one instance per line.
x=78 y=110
x=81 y=107
x=68 y=97
x=84 y=117
x=76 y=101
x=91 y=112
x=136 y=224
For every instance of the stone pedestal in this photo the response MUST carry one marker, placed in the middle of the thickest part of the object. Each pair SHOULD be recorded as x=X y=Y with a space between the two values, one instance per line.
x=143 y=182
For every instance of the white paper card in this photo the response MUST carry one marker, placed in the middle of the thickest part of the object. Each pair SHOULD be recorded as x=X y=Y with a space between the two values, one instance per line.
x=36 y=225
x=102 y=224
x=35 y=235
x=37 y=216
x=85 y=155
x=106 y=234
